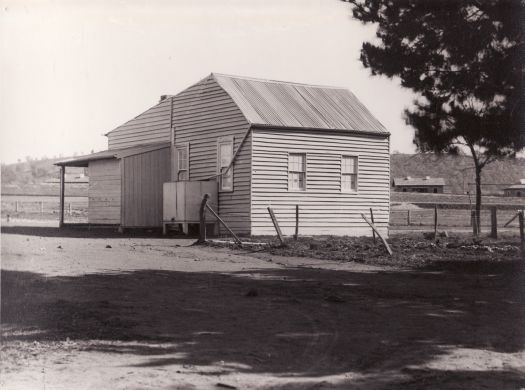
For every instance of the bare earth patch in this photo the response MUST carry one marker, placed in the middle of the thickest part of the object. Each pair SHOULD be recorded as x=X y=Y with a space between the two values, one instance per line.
x=95 y=310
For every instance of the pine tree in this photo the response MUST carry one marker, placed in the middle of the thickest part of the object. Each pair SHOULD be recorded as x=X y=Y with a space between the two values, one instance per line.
x=463 y=59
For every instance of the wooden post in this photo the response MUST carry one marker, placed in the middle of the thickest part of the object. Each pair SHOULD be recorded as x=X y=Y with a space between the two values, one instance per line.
x=522 y=235
x=408 y=217
x=494 y=222
x=372 y=218
x=276 y=225
x=474 y=223
x=237 y=240
x=435 y=221
x=16 y=207
x=202 y=219
x=296 y=235
x=41 y=207
x=62 y=192
x=389 y=250
x=69 y=209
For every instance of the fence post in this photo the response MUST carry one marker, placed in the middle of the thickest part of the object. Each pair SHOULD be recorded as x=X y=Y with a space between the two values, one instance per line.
x=276 y=225
x=522 y=235
x=474 y=223
x=494 y=222
x=41 y=207
x=408 y=217
x=69 y=209
x=296 y=235
x=372 y=219
x=16 y=206
x=435 y=220
x=202 y=218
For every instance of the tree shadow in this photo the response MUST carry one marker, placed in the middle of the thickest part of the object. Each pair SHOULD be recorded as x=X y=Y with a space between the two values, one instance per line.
x=301 y=322
x=84 y=231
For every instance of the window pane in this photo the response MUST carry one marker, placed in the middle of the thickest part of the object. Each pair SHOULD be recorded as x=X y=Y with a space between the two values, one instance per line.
x=349 y=182
x=296 y=162
x=353 y=182
x=296 y=181
x=345 y=182
x=225 y=153
x=226 y=179
x=349 y=164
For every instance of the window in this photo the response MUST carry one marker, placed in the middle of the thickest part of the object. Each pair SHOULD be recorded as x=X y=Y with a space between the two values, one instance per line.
x=297 y=172
x=225 y=156
x=348 y=174
x=183 y=172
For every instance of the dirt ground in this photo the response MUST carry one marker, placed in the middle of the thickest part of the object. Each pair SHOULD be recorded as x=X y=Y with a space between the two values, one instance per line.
x=97 y=310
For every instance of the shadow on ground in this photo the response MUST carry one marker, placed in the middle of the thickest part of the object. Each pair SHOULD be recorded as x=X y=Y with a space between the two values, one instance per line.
x=302 y=322
x=83 y=231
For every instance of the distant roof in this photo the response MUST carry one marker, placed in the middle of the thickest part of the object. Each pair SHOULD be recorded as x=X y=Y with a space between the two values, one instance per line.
x=516 y=187
x=419 y=181
x=83 y=161
x=285 y=104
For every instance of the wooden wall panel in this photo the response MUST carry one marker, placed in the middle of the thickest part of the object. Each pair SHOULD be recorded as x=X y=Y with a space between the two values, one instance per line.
x=143 y=176
x=324 y=209
x=201 y=114
x=104 y=192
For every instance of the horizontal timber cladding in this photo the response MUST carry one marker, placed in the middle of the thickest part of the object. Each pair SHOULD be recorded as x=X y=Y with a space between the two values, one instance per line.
x=323 y=207
x=143 y=176
x=153 y=125
x=104 y=192
x=202 y=114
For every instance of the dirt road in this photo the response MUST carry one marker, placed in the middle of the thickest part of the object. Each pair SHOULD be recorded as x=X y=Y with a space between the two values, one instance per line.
x=91 y=310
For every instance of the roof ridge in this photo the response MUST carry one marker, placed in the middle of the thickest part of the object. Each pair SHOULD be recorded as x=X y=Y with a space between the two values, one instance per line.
x=276 y=81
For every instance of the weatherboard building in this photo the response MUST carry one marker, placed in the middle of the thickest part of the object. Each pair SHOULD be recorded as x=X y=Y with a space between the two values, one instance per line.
x=251 y=144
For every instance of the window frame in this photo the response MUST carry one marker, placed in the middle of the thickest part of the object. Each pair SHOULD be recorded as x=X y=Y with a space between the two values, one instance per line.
x=305 y=172
x=224 y=141
x=356 y=173
x=186 y=147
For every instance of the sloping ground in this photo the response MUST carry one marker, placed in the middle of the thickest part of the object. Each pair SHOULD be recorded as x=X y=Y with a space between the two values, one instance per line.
x=457 y=171
x=97 y=310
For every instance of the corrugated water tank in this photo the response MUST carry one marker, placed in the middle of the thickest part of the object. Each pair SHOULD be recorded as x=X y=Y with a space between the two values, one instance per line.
x=182 y=200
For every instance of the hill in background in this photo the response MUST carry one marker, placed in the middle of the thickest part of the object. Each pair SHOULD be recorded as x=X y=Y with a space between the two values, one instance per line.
x=41 y=177
x=458 y=171
x=32 y=176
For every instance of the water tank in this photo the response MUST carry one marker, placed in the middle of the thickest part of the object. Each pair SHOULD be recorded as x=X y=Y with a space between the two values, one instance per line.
x=182 y=200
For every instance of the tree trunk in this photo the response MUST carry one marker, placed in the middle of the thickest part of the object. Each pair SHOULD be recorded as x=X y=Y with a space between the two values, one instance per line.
x=478 y=198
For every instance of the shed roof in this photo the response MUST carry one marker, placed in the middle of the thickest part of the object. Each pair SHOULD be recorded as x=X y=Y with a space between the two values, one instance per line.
x=418 y=181
x=82 y=161
x=518 y=186
x=286 y=104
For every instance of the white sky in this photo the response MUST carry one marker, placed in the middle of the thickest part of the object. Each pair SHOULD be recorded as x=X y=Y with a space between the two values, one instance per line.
x=71 y=71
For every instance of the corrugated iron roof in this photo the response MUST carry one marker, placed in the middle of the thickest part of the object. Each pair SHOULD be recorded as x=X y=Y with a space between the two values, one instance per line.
x=82 y=161
x=518 y=186
x=285 y=104
x=418 y=181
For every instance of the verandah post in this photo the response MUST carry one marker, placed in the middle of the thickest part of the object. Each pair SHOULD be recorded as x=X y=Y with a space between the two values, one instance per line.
x=62 y=192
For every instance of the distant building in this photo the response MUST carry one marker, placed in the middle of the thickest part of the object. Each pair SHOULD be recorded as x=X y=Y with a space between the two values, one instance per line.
x=433 y=185
x=515 y=189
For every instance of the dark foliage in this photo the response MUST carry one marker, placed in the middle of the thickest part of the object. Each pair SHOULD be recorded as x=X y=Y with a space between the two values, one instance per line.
x=462 y=58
